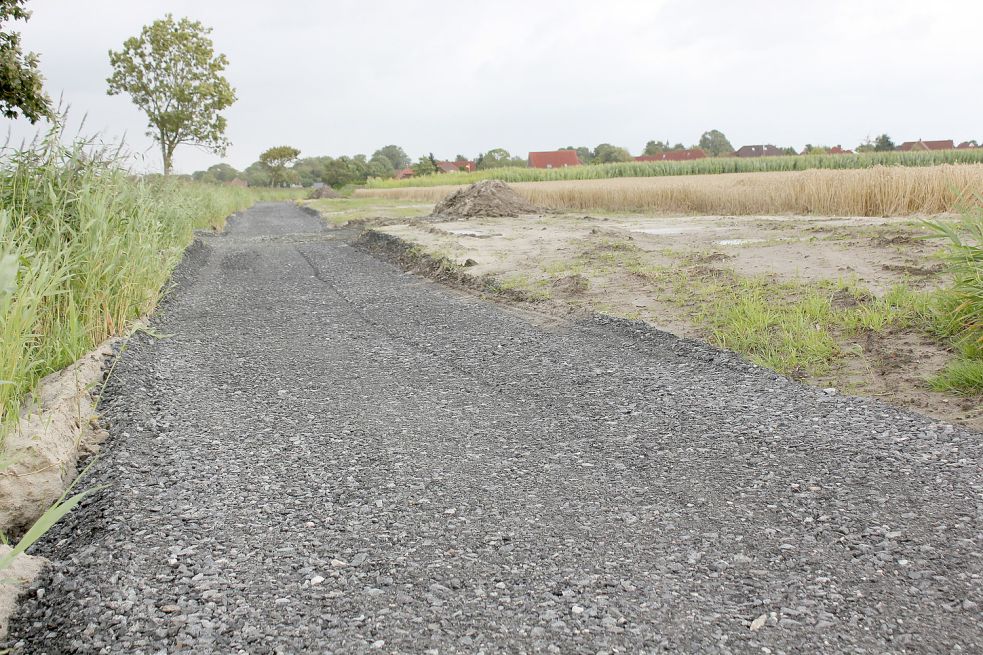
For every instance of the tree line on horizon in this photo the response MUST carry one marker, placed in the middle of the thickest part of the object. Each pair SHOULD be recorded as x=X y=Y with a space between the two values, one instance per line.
x=283 y=166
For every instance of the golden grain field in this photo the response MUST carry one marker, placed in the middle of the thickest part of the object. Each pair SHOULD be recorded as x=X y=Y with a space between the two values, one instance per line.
x=877 y=191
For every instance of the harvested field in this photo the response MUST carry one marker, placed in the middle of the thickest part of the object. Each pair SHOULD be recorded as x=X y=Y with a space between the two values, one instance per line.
x=878 y=191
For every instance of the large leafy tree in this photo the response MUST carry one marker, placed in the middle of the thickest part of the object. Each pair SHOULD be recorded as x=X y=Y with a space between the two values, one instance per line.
x=277 y=159
x=21 y=84
x=715 y=144
x=173 y=74
x=396 y=156
x=606 y=153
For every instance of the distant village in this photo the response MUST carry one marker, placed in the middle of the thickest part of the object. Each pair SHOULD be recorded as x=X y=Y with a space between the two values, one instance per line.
x=568 y=157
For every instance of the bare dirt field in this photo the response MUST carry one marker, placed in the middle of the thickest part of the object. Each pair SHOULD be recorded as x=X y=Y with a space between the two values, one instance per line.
x=834 y=301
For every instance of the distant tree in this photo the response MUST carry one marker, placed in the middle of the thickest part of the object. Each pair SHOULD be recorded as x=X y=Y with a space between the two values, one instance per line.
x=396 y=156
x=309 y=169
x=815 y=150
x=21 y=83
x=425 y=166
x=257 y=174
x=655 y=148
x=715 y=144
x=223 y=172
x=883 y=143
x=205 y=177
x=494 y=158
x=789 y=151
x=341 y=171
x=380 y=166
x=172 y=73
x=584 y=153
x=277 y=159
x=606 y=153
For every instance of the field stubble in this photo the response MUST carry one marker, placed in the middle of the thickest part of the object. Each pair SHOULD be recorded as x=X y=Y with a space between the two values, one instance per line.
x=877 y=191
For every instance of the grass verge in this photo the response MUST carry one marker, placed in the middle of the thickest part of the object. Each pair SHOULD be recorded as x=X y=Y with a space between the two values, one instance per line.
x=963 y=304
x=85 y=248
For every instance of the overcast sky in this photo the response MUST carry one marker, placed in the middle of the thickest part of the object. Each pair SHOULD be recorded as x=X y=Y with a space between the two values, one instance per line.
x=455 y=76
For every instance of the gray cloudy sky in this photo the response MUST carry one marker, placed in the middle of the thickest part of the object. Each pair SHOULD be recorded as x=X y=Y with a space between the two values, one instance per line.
x=457 y=76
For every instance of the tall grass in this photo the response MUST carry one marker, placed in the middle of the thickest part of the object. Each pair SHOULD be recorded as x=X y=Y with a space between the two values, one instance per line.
x=877 y=191
x=709 y=166
x=85 y=248
x=962 y=304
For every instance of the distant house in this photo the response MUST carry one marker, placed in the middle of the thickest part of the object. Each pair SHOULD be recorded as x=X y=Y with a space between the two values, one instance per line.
x=447 y=167
x=967 y=145
x=674 y=155
x=759 y=151
x=945 y=144
x=838 y=150
x=405 y=173
x=554 y=159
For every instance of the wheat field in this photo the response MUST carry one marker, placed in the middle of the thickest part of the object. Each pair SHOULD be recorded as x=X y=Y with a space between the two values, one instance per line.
x=877 y=191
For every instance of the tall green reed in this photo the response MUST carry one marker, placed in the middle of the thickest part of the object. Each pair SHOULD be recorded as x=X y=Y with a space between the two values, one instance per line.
x=85 y=248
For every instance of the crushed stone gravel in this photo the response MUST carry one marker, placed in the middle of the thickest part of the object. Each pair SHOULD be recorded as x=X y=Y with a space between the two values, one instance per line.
x=320 y=453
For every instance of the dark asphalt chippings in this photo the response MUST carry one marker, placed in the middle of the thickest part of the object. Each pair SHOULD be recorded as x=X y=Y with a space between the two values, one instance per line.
x=328 y=455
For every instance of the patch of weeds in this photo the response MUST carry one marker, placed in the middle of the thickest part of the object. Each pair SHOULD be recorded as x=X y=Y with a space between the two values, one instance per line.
x=530 y=289
x=564 y=267
x=960 y=316
x=961 y=375
x=900 y=308
x=780 y=331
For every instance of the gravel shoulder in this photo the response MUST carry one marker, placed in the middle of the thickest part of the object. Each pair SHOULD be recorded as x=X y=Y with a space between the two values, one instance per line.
x=320 y=453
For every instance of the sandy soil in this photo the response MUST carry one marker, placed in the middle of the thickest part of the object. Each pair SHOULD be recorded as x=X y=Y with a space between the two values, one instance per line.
x=548 y=253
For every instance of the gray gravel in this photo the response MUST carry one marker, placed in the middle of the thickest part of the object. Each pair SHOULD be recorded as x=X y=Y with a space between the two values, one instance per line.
x=329 y=455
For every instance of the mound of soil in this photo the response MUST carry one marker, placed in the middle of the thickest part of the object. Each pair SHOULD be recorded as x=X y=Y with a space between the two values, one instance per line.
x=486 y=198
x=323 y=192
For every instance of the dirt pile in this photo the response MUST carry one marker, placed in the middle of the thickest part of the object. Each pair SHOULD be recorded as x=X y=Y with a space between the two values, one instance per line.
x=485 y=198
x=323 y=192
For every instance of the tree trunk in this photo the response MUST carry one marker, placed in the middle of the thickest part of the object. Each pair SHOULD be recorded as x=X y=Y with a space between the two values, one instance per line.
x=167 y=152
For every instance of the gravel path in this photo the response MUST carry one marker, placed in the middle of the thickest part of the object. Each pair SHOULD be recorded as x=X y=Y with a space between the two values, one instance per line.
x=322 y=454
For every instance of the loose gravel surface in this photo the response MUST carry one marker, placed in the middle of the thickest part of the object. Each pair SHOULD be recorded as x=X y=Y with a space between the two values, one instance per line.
x=319 y=453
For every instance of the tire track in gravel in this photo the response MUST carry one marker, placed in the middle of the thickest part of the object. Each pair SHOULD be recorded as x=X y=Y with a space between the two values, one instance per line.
x=362 y=461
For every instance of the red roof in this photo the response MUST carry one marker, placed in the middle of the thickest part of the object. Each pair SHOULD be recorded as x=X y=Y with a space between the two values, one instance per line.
x=945 y=144
x=674 y=155
x=966 y=144
x=406 y=172
x=447 y=167
x=553 y=159
x=838 y=150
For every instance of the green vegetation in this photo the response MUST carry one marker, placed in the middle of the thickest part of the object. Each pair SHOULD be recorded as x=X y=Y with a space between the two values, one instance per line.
x=710 y=165
x=795 y=328
x=963 y=304
x=21 y=84
x=85 y=248
x=276 y=160
x=338 y=211
x=172 y=73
